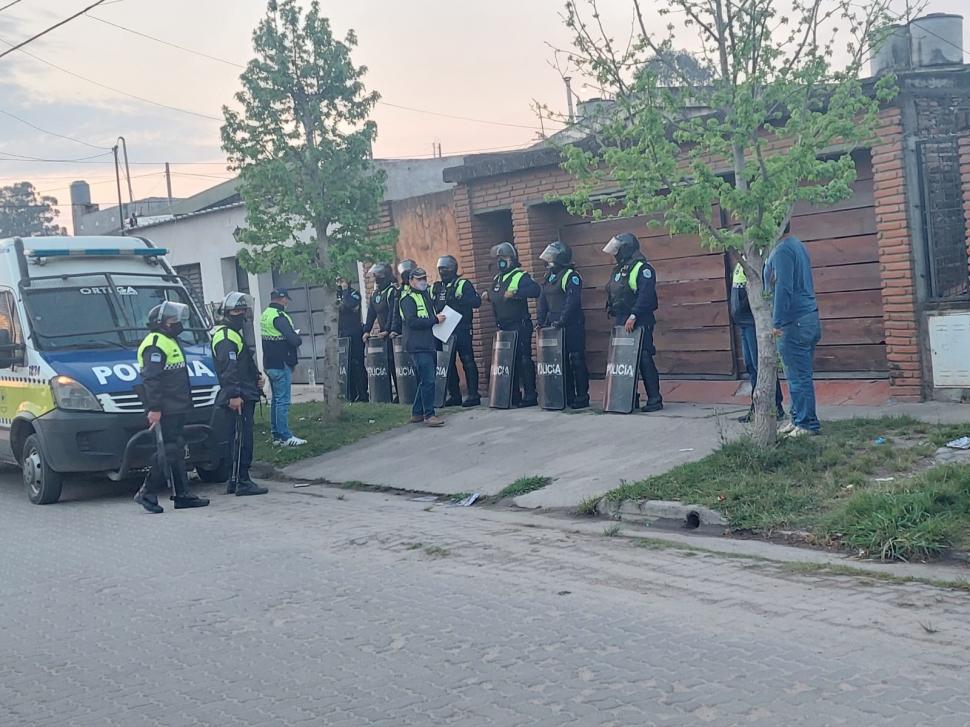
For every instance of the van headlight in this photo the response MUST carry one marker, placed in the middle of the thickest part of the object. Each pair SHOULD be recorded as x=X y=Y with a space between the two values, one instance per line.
x=70 y=394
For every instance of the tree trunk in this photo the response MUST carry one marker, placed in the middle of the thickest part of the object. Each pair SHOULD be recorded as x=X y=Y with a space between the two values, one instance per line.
x=332 y=403
x=764 y=423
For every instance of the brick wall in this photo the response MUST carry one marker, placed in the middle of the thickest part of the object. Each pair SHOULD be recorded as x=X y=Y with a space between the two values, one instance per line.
x=896 y=259
x=965 y=175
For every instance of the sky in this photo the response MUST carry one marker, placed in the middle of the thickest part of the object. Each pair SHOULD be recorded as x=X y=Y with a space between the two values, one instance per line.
x=483 y=61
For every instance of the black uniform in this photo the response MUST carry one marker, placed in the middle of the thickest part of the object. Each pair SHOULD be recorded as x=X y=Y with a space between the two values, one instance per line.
x=640 y=300
x=238 y=379
x=383 y=310
x=166 y=389
x=349 y=326
x=561 y=306
x=460 y=295
x=512 y=314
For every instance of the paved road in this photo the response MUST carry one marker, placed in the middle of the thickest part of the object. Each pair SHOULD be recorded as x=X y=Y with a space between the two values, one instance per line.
x=305 y=608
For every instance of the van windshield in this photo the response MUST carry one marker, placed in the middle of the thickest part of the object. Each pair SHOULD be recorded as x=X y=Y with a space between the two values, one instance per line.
x=89 y=317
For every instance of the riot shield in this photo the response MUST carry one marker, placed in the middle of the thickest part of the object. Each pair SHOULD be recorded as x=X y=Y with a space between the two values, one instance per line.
x=622 y=366
x=343 y=356
x=502 y=374
x=446 y=357
x=550 y=382
x=378 y=372
x=407 y=378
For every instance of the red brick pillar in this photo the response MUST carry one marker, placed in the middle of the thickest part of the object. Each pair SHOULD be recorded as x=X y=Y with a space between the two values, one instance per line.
x=896 y=260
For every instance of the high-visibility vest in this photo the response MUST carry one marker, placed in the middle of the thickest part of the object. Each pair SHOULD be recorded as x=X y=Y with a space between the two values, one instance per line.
x=174 y=358
x=225 y=332
x=267 y=330
x=419 y=302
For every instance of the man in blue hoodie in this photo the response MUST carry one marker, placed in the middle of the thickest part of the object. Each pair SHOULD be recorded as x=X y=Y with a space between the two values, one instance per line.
x=788 y=273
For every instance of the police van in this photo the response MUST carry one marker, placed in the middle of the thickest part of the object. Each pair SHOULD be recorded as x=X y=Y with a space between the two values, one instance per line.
x=73 y=311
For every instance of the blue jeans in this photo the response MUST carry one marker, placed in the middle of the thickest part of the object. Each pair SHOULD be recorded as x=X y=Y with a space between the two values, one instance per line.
x=279 y=407
x=797 y=349
x=749 y=348
x=425 y=363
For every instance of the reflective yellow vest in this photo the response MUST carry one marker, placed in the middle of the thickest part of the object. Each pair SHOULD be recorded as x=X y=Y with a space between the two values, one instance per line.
x=267 y=330
x=224 y=332
x=174 y=358
x=419 y=302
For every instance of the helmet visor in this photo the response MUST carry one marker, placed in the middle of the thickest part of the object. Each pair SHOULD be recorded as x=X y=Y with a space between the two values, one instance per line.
x=447 y=262
x=550 y=254
x=613 y=246
x=237 y=301
x=503 y=249
x=170 y=309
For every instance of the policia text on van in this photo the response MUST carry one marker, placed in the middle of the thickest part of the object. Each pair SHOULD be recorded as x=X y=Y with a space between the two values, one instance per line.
x=73 y=311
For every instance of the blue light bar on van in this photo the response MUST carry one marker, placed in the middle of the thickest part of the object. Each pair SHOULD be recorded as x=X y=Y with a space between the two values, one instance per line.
x=98 y=252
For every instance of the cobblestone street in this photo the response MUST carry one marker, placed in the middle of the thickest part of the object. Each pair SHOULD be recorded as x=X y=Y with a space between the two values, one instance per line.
x=321 y=607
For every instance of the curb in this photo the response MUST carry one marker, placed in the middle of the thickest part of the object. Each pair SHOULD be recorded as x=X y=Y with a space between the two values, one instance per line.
x=664 y=513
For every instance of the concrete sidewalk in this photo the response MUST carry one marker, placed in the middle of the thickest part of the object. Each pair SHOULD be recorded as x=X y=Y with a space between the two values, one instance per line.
x=586 y=453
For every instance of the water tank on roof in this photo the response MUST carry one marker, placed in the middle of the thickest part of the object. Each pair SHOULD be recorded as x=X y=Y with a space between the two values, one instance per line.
x=80 y=193
x=937 y=40
x=893 y=54
x=594 y=107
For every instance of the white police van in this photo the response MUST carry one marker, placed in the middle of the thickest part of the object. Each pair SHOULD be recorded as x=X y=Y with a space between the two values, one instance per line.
x=73 y=311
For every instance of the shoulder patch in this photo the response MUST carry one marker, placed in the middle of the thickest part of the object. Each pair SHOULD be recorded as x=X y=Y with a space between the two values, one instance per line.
x=232 y=355
x=646 y=272
x=575 y=280
x=617 y=276
x=155 y=358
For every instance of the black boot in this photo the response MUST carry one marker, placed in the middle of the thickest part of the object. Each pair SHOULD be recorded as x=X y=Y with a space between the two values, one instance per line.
x=651 y=382
x=182 y=498
x=472 y=401
x=246 y=487
x=527 y=369
x=231 y=487
x=146 y=500
x=577 y=364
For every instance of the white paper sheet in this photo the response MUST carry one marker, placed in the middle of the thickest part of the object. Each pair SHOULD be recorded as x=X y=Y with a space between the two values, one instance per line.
x=443 y=331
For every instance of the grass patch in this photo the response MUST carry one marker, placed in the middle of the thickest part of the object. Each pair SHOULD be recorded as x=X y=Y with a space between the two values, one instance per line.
x=436 y=551
x=827 y=485
x=587 y=507
x=611 y=531
x=357 y=421
x=524 y=485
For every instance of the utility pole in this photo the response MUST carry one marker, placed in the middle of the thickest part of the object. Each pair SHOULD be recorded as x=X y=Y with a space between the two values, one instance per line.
x=121 y=211
x=131 y=195
x=168 y=185
x=569 y=98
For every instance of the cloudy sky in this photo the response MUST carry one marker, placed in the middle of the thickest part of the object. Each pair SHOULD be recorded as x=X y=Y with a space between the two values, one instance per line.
x=484 y=61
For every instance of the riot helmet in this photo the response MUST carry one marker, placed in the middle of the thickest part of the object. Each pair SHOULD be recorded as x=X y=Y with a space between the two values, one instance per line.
x=447 y=268
x=557 y=255
x=168 y=316
x=383 y=275
x=405 y=268
x=236 y=307
x=623 y=247
x=507 y=256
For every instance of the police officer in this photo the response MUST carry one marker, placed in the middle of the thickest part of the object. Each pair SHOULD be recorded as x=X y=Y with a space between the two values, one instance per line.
x=511 y=290
x=632 y=301
x=458 y=293
x=561 y=306
x=240 y=386
x=349 y=326
x=404 y=269
x=383 y=304
x=167 y=396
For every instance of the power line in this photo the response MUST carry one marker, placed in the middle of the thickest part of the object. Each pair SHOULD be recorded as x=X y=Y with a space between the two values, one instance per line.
x=55 y=26
x=50 y=133
x=948 y=42
x=240 y=65
x=110 y=88
x=9 y=5
x=23 y=158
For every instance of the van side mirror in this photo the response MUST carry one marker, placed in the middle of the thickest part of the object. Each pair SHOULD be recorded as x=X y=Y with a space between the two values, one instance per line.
x=11 y=354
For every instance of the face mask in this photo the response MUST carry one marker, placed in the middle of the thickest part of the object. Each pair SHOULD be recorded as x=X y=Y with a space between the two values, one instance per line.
x=503 y=264
x=175 y=329
x=419 y=285
x=236 y=321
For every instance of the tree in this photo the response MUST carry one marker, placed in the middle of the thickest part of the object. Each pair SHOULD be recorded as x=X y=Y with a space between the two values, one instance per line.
x=24 y=214
x=302 y=146
x=675 y=67
x=774 y=125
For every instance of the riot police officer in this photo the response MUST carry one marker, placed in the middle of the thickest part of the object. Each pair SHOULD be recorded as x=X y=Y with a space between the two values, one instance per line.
x=167 y=396
x=511 y=290
x=632 y=302
x=458 y=292
x=404 y=269
x=240 y=386
x=349 y=326
x=561 y=306
x=383 y=304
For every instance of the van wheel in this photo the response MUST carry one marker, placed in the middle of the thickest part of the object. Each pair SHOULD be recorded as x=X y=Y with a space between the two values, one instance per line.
x=219 y=474
x=43 y=484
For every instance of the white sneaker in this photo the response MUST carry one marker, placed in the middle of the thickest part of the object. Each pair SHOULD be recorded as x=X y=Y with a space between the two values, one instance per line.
x=294 y=441
x=797 y=432
x=279 y=442
x=786 y=428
